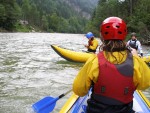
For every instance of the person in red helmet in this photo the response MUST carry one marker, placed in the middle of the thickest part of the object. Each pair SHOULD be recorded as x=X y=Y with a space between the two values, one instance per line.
x=114 y=73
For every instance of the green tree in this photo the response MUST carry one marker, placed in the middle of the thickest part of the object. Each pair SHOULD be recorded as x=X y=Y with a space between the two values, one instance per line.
x=74 y=25
x=63 y=26
x=53 y=22
x=44 y=23
x=26 y=9
x=136 y=14
x=34 y=17
x=8 y=14
x=2 y=15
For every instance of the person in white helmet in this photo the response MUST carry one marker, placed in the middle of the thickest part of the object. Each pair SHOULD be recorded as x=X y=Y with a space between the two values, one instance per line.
x=135 y=44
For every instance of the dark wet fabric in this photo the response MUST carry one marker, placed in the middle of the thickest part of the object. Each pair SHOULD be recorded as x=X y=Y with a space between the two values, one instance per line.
x=90 y=50
x=95 y=107
x=133 y=44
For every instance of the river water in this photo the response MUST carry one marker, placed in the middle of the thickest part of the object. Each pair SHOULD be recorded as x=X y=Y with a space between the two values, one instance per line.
x=30 y=70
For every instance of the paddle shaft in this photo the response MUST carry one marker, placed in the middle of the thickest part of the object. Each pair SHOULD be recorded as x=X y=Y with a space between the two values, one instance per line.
x=62 y=95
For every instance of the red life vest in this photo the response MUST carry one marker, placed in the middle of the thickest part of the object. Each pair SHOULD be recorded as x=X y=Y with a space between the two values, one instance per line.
x=115 y=82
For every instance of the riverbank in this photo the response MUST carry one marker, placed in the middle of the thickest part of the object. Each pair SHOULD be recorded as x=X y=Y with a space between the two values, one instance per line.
x=22 y=29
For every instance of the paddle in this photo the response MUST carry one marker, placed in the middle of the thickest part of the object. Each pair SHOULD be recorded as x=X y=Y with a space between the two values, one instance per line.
x=47 y=104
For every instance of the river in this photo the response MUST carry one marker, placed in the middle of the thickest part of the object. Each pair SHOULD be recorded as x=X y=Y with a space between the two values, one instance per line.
x=30 y=70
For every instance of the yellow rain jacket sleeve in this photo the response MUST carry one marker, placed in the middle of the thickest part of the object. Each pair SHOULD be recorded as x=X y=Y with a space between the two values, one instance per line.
x=94 y=44
x=90 y=71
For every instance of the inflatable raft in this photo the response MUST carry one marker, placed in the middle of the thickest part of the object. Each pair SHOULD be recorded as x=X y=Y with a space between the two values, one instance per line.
x=81 y=57
x=76 y=104
x=71 y=55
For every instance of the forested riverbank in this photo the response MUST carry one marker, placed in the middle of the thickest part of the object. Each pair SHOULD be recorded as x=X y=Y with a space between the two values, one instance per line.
x=66 y=16
x=74 y=16
x=136 y=14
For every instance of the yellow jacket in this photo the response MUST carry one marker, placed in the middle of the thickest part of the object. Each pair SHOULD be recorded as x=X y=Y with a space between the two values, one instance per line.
x=90 y=71
x=94 y=44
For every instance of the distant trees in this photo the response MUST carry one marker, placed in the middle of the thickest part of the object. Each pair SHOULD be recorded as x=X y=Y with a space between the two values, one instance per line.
x=136 y=13
x=9 y=13
x=65 y=15
x=47 y=15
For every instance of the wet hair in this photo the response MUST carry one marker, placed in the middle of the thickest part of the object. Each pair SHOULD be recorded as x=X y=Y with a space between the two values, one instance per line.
x=113 y=46
x=133 y=34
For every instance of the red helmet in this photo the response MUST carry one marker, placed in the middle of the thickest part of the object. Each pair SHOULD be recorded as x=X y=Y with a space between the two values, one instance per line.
x=113 y=28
